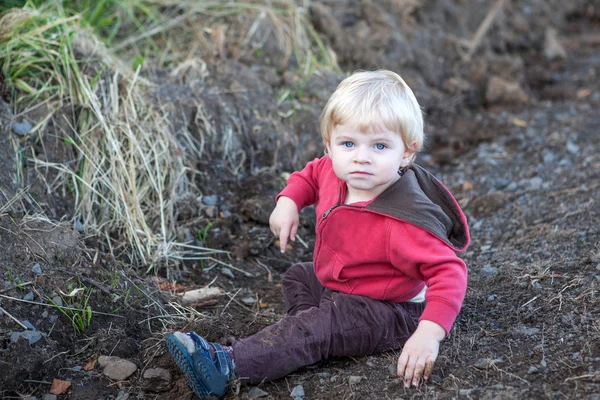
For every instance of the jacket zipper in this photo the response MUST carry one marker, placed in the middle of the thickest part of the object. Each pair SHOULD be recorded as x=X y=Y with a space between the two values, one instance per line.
x=338 y=204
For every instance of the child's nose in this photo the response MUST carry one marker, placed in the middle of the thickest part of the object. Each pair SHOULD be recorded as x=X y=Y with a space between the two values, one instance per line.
x=362 y=156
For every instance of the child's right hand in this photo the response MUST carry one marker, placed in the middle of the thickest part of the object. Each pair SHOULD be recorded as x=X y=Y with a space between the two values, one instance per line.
x=284 y=221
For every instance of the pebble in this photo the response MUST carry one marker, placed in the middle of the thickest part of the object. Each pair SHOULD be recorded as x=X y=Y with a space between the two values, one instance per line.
x=119 y=369
x=353 y=380
x=78 y=226
x=491 y=297
x=501 y=183
x=392 y=370
x=29 y=325
x=37 y=269
x=49 y=397
x=532 y=370
x=31 y=336
x=228 y=273
x=572 y=147
x=256 y=393
x=524 y=330
x=157 y=380
x=512 y=187
x=29 y=296
x=58 y=301
x=210 y=200
x=122 y=396
x=21 y=128
x=548 y=157
x=489 y=272
x=248 y=300
x=297 y=392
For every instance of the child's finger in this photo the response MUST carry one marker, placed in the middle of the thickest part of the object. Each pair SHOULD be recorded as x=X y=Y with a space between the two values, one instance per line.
x=409 y=372
x=283 y=238
x=428 y=369
x=402 y=361
x=293 y=231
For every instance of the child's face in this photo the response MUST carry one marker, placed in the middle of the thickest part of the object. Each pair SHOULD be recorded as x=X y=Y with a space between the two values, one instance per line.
x=367 y=162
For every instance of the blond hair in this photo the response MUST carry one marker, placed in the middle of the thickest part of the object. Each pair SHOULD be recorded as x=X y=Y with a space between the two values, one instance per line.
x=372 y=100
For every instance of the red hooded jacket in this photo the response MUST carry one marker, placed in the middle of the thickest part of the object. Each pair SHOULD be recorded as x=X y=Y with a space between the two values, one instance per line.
x=388 y=248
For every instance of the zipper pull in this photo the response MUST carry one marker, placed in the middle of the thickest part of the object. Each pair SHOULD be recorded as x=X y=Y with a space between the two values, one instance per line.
x=326 y=213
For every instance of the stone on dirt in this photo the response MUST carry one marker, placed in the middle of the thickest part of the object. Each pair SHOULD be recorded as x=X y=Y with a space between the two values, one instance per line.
x=500 y=91
x=31 y=336
x=297 y=392
x=256 y=393
x=118 y=369
x=553 y=48
x=157 y=380
x=21 y=128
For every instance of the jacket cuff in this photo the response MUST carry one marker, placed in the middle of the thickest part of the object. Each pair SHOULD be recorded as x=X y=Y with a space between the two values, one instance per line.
x=441 y=313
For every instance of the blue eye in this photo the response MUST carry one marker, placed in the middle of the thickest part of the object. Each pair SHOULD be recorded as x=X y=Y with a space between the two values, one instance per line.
x=348 y=144
x=380 y=146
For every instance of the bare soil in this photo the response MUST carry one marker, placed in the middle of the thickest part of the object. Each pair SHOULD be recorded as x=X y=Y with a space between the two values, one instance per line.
x=524 y=165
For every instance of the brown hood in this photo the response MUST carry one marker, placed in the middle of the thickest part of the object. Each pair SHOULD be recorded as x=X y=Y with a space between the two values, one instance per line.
x=421 y=199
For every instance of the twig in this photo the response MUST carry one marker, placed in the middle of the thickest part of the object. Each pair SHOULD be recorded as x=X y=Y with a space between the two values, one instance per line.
x=302 y=241
x=269 y=275
x=246 y=273
x=56 y=355
x=573 y=378
x=13 y=318
x=474 y=43
x=17 y=286
x=530 y=301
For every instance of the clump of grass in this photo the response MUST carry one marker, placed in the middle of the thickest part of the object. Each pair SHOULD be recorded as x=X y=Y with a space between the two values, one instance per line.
x=128 y=169
x=77 y=308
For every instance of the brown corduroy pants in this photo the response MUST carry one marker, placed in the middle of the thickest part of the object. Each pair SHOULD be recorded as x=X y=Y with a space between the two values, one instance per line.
x=321 y=324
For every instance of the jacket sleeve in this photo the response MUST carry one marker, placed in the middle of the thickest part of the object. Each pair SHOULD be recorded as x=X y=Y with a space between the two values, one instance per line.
x=303 y=186
x=421 y=255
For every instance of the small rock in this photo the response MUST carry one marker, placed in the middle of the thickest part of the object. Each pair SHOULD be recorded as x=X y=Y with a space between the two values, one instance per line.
x=548 y=157
x=249 y=300
x=58 y=301
x=31 y=336
x=543 y=363
x=210 y=200
x=37 y=269
x=436 y=379
x=489 y=272
x=534 y=183
x=49 y=397
x=323 y=374
x=210 y=211
x=512 y=187
x=353 y=380
x=501 y=183
x=29 y=296
x=370 y=364
x=553 y=48
x=256 y=393
x=465 y=392
x=523 y=330
x=500 y=91
x=297 y=391
x=572 y=147
x=122 y=396
x=103 y=361
x=120 y=369
x=157 y=380
x=78 y=226
x=228 y=273
x=491 y=297
x=29 y=325
x=21 y=128
x=532 y=370
x=392 y=370
x=498 y=386
x=77 y=368
x=45 y=314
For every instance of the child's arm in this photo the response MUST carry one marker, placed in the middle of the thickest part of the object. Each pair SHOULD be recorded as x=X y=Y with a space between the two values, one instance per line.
x=302 y=189
x=284 y=221
x=420 y=352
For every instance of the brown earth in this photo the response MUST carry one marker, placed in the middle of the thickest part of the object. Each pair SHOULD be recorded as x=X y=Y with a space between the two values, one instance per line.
x=513 y=133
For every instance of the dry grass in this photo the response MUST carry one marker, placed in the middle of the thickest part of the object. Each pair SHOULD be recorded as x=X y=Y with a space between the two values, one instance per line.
x=128 y=170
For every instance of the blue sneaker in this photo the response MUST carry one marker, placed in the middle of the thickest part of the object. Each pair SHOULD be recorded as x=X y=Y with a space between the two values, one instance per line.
x=205 y=375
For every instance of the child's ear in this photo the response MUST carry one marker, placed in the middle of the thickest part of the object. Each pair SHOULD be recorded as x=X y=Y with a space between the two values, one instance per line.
x=409 y=155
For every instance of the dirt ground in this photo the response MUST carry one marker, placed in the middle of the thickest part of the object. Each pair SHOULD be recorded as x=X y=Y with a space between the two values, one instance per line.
x=512 y=130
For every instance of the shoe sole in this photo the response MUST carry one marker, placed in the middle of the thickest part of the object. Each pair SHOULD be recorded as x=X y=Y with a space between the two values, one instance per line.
x=186 y=365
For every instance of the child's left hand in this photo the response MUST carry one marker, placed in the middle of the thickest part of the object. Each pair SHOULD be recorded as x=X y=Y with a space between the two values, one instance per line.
x=420 y=352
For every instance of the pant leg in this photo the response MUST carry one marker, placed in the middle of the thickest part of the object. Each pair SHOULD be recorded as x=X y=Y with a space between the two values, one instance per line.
x=301 y=288
x=342 y=325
